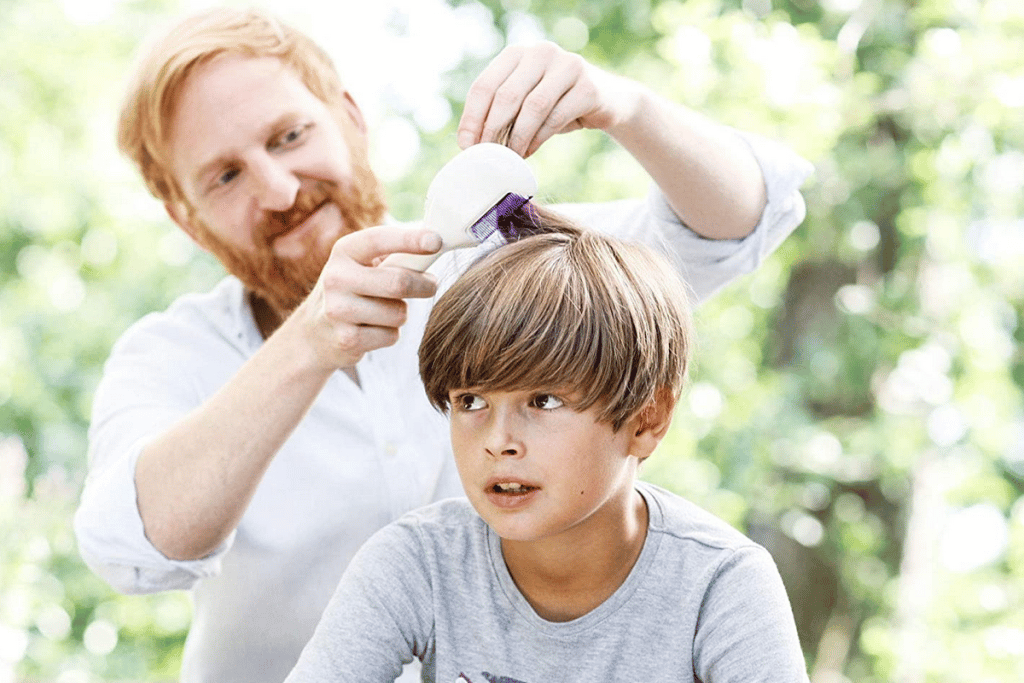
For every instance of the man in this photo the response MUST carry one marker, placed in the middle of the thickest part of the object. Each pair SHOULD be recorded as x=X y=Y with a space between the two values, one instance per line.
x=246 y=441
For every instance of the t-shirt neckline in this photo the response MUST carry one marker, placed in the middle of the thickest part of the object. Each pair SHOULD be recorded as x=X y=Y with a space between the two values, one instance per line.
x=606 y=609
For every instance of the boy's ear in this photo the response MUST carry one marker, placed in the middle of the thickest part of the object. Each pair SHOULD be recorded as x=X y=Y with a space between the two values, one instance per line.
x=179 y=215
x=651 y=424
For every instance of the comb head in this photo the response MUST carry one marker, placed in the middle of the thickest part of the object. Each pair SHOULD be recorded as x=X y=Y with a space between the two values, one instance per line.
x=498 y=218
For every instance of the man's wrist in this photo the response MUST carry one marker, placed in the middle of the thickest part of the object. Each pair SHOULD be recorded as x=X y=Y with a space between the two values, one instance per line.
x=297 y=345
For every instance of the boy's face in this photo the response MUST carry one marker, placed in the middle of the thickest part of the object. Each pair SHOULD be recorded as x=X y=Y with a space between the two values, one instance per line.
x=536 y=469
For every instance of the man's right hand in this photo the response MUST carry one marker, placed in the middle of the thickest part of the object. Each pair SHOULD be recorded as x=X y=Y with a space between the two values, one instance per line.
x=358 y=306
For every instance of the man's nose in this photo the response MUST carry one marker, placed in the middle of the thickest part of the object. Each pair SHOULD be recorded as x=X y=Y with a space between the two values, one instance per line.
x=276 y=185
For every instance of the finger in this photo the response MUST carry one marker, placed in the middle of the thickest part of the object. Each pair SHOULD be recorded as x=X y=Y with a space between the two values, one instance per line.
x=509 y=98
x=481 y=94
x=344 y=277
x=351 y=343
x=564 y=117
x=364 y=246
x=366 y=311
x=551 y=105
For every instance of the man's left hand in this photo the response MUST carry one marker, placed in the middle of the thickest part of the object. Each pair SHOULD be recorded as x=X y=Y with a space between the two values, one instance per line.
x=541 y=90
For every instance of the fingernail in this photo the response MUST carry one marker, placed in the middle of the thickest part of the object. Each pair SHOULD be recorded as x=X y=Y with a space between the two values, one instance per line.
x=465 y=139
x=430 y=242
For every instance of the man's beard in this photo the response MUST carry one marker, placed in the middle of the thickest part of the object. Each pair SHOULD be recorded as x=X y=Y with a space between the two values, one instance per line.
x=285 y=283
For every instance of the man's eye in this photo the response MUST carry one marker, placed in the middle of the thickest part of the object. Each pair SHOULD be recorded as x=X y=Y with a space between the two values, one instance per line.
x=292 y=135
x=470 y=402
x=546 y=402
x=225 y=177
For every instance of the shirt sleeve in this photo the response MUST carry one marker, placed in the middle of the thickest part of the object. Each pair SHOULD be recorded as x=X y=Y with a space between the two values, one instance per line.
x=707 y=265
x=380 y=616
x=745 y=629
x=145 y=388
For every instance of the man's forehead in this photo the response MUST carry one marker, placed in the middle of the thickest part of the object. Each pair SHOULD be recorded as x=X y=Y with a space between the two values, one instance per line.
x=232 y=102
x=237 y=84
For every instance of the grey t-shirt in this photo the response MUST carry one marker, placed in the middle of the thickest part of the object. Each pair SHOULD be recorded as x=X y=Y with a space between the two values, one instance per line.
x=703 y=602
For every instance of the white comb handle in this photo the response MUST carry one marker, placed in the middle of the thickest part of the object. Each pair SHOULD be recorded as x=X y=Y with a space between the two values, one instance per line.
x=418 y=262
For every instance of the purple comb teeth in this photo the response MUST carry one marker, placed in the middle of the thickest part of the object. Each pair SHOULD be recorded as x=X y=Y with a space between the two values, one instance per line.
x=495 y=219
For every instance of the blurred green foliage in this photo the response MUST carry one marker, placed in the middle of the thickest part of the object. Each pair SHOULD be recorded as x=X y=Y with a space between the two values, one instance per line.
x=856 y=405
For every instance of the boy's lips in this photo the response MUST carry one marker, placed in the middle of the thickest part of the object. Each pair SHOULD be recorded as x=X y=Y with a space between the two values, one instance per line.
x=510 y=492
x=509 y=483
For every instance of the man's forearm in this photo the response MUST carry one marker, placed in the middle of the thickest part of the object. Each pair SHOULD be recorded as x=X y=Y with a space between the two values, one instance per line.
x=195 y=481
x=707 y=173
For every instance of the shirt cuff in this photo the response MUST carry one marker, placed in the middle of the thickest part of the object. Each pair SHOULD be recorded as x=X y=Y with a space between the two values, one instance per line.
x=709 y=264
x=113 y=542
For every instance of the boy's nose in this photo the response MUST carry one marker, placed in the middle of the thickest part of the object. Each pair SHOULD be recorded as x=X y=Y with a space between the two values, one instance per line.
x=276 y=185
x=503 y=436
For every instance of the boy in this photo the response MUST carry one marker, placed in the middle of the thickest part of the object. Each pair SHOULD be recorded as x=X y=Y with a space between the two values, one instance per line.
x=559 y=359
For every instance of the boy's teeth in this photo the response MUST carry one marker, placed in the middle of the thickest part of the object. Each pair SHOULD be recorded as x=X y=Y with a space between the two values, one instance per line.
x=510 y=487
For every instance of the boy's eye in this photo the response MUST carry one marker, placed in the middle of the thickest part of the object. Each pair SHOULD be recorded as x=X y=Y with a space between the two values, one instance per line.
x=546 y=402
x=469 y=402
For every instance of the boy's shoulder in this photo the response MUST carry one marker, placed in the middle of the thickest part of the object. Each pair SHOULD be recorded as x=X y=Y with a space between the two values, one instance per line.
x=443 y=514
x=677 y=518
x=442 y=525
x=433 y=540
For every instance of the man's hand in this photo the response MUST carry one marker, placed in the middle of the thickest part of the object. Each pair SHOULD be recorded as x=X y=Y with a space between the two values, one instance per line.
x=542 y=90
x=706 y=172
x=357 y=306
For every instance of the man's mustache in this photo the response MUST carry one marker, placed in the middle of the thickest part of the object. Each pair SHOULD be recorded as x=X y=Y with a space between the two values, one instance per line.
x=307 y=201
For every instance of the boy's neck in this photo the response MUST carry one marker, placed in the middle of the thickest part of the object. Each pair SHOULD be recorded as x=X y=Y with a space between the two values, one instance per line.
x=567 y=577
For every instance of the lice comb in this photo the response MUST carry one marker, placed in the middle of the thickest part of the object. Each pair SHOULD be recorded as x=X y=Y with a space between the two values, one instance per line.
x=497 y=219
x=470 y=197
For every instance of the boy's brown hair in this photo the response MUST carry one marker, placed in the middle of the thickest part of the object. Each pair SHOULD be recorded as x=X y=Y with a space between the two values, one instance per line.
x=575 y=312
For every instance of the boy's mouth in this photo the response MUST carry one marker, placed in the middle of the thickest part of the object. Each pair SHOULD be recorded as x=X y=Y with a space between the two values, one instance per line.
x=510 y=494
x=512 y=488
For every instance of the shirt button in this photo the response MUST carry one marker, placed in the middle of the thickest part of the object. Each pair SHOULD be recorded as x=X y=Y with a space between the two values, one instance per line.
x=391 y=448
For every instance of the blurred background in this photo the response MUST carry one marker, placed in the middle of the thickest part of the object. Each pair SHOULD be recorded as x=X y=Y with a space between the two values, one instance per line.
x=856 y=405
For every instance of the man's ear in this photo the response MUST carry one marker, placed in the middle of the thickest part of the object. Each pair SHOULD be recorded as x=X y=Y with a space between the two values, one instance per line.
x=651 y=424
x=180 y=215
x=354 y=113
